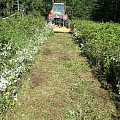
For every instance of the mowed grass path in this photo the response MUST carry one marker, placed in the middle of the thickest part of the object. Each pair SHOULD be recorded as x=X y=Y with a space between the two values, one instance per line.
x=61 y=87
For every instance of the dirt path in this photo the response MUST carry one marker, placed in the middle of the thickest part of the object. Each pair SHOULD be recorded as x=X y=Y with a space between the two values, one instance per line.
x=61 y=87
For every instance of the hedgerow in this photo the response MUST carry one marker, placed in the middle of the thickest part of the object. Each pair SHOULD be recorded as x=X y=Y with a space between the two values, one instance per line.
x=20 y=40
x=100 y=42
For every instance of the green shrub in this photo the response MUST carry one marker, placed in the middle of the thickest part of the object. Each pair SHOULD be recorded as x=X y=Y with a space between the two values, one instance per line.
x=20 y=40
x=100 y=42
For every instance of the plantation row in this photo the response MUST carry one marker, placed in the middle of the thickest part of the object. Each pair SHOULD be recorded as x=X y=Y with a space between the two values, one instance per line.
x=100 y=42
x=20 y=41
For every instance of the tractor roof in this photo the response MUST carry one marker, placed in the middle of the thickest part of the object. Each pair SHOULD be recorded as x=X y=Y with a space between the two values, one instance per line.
x=59 y=3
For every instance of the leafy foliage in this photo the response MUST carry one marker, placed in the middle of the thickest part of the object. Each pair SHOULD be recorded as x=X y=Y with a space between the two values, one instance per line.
x=101 y=44
x=20 y=41
x=105 y=10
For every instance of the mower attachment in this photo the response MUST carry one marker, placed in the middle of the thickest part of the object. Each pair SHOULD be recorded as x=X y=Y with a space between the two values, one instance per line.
x=62 y=29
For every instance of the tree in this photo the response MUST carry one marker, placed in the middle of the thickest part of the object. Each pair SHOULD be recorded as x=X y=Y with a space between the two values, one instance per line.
x=107 y=10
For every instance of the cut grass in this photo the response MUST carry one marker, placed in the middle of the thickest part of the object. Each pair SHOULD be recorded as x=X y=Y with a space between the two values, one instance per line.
x=61 y=87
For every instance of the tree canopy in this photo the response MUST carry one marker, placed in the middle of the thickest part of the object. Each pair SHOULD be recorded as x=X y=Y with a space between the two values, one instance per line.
x=106 y=10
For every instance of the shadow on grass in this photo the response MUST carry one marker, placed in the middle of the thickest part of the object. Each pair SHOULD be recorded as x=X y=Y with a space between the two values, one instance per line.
x=113 y=92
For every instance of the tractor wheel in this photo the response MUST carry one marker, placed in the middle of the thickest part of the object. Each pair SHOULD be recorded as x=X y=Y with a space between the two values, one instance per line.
x=66 y=23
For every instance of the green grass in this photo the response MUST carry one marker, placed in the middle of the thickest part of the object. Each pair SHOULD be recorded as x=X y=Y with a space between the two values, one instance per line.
x=61 y=87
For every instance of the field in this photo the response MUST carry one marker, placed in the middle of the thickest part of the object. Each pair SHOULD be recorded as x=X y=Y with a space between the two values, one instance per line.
x=71 y=77
x=61 y=86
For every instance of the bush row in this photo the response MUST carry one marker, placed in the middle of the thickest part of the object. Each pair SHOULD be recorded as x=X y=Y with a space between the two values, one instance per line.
x=20 y=40
x=100 y=42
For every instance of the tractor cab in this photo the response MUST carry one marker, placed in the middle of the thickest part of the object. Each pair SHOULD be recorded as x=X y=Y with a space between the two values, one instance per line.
x=58 y=8
x=58 y=15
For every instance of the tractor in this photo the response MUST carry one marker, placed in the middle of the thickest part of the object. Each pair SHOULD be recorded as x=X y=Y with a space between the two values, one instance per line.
x=59 y=18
